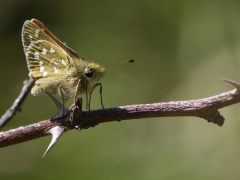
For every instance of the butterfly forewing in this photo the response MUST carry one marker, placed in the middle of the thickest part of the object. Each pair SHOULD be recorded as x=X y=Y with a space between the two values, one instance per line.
x=35 y=30
x=32 y=33
x=71 y=52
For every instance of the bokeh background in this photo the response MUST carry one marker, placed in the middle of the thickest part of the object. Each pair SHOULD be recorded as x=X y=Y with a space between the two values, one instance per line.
x=182 y=50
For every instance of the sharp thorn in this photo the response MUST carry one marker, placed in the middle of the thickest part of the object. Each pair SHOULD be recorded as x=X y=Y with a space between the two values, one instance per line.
x=57 y=132
x=235 y=84
x=61 y=110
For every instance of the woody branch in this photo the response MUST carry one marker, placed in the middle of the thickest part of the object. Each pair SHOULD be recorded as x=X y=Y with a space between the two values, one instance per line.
x=206 y=108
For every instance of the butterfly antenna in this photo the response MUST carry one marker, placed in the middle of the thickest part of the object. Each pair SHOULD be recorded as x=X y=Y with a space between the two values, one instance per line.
x=127 y=61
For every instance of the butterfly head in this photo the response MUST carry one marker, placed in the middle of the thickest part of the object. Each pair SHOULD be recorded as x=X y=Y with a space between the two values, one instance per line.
x=94 y=72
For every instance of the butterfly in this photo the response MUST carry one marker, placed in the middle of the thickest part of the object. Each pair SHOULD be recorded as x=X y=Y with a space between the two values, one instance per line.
x=56 y=68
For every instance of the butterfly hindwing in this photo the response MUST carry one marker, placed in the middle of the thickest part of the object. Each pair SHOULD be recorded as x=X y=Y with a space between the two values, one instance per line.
x=46 y=59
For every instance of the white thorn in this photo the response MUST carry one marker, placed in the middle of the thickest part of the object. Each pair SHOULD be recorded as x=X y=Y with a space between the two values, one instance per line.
x=235 y=84
x=57 y=132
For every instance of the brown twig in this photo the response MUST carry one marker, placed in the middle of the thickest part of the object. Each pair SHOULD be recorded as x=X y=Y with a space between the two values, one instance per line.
x=27 y=85
x=206 y=108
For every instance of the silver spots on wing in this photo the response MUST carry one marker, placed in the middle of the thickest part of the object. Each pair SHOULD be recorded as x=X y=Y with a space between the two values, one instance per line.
x=36 y=55
x=36 y=33
x=42 y=65
x=63 y=62
x=41 y=69
x=52 y=51
x=54 y=66
x=44 y=51
x=44 y=74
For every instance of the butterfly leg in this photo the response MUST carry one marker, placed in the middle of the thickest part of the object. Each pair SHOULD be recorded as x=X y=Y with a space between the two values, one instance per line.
x=76 y=93
x=100 y=91
x=89 y=100
x=87 y=104
x=90 y=95
x=62 y=95
x=76 y=110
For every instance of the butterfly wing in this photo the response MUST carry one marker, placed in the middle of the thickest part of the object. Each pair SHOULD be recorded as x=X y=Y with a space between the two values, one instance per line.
x=56 y=68
x=46 y=59
x=50 y=62
x=51 y=67
x=35 y=30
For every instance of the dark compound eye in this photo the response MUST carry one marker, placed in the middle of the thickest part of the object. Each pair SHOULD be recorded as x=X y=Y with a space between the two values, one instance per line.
x=89 y=72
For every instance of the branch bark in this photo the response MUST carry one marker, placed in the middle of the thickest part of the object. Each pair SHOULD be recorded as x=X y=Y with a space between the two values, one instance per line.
x=27 y=85
x=206 y=108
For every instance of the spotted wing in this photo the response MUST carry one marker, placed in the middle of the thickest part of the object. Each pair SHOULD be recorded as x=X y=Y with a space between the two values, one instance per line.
x=46 y=59
x=34 y=30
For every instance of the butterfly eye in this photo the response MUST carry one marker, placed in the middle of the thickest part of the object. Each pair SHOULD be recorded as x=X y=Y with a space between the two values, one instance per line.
x=89 y=72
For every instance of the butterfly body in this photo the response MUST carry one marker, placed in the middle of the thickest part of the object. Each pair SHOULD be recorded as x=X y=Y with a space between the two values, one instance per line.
x=56 y=68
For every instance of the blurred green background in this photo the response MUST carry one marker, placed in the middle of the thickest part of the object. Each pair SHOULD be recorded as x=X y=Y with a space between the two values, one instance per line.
x=182 y=50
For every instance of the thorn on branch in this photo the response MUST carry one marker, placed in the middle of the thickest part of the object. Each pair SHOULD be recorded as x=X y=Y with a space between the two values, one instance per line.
x=206 y=108
x=65 y=118
x=62 y=111
x=56 y=132
x=235 y=84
